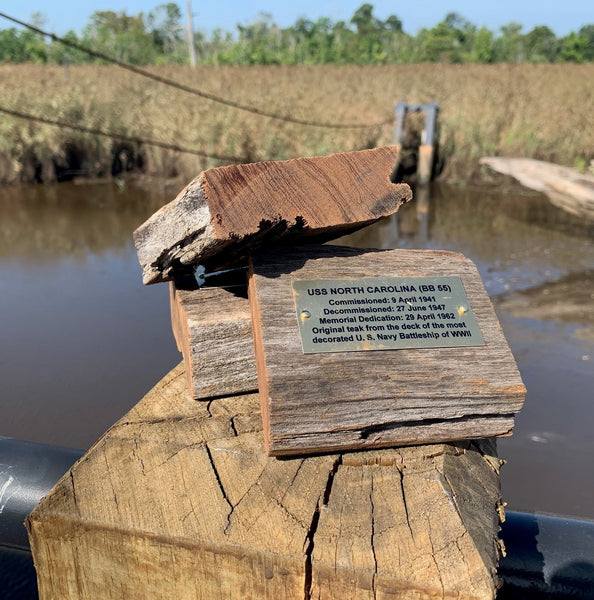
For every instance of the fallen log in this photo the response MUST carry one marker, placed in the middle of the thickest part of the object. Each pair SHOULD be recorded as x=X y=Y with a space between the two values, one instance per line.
x=566 y=188
x=227 y=211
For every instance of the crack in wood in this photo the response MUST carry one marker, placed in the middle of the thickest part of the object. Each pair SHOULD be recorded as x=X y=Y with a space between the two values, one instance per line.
x=135 y=455
x=220 y=484
x=373 y=578
x=244 y=495
x=377 y=430
x=404 y=504
x=313 y=527
x=73 y=490
x=174 y=454
x=434 y=557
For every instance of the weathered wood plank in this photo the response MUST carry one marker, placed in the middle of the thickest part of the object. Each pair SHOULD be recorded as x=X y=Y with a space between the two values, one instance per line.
x=178 y=500
x=213 y=330
x=230 y=209
x=567 y=188
x=353 y=400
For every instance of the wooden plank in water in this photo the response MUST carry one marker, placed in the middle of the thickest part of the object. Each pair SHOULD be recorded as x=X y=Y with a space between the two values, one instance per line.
x=179 y=500
x=314 y=402
x=567 y=188
x=227 y=210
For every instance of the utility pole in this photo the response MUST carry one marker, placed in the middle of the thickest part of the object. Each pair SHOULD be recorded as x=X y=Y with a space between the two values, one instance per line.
x=191 y=35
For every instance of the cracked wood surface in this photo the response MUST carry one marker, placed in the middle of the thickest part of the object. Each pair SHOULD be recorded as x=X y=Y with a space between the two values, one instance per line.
x=179 y=500
x=353 y=400
x=227 y=210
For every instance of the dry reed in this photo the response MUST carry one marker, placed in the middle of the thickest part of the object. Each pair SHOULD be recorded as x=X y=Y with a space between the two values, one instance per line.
x=539 y=111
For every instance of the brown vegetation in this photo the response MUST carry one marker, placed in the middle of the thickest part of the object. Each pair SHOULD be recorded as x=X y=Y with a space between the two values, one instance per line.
x=538 y=111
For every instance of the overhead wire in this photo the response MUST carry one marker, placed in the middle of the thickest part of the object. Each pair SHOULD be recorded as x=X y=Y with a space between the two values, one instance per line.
x=119 y=136
x=192 y=90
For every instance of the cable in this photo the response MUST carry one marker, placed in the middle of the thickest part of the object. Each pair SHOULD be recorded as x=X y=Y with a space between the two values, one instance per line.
x=191 y=90
x=118 y=136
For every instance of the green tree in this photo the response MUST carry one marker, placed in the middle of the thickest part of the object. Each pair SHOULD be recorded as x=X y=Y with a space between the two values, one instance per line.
x=587 y=34
x=369 y=29
x=168 y=37
x=119 y=35
x=509 y=46
x=12 y=46
x=451 y=40
x=483 y=48
x=573 y=48
x=65 y=55
x=541 y=45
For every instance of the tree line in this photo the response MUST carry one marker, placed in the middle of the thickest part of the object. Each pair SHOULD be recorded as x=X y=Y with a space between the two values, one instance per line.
x=158 y=37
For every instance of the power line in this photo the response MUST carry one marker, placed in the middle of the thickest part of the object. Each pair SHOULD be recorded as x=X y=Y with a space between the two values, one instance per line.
x=118 y=136
x=191 y=90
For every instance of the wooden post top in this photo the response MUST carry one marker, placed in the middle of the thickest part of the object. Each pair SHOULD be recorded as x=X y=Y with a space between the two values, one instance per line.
x=228 y=210
x=178 y=500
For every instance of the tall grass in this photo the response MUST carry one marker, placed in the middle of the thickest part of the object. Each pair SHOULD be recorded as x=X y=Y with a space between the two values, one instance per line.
x=540 y=111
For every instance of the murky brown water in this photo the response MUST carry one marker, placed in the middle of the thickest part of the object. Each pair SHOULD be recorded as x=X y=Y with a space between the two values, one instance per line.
x=82 y=340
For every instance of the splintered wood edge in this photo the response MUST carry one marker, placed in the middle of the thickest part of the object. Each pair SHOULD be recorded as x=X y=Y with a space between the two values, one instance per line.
x=176 y=234
x=185 y=232
x=260 y=357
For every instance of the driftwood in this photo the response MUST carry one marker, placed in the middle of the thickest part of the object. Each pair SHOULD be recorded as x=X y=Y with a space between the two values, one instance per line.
x=227 y=210
x=565 y=187
x=341 y=400
x=178 y=500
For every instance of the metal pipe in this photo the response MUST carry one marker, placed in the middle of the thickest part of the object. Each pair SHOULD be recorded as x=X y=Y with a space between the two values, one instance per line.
x=28 y=471
x=547 y=557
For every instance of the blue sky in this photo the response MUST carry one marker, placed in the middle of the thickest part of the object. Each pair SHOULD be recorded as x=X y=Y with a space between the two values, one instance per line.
x=562 y=17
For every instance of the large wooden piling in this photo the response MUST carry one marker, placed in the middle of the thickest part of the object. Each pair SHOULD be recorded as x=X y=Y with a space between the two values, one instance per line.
x=179 y=500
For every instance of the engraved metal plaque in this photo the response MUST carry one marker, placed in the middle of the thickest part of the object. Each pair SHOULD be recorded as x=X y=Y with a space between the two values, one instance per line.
x=345 y=315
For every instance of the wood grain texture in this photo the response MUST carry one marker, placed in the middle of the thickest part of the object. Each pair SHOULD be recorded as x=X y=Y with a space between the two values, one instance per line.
x=227 y=210
x=353 y=400
x=213 y=331
x=178 y=500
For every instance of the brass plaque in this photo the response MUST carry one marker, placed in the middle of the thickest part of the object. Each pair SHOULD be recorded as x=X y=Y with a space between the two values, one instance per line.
x=387 y=313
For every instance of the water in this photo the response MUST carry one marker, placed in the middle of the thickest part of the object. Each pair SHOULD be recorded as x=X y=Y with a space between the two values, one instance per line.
x=83 y=340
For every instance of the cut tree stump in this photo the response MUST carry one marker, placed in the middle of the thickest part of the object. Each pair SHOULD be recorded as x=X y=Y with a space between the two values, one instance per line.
x=339 y=399
x=178 y=500
x=226 y=211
